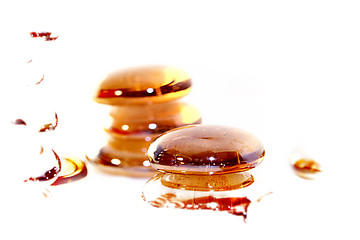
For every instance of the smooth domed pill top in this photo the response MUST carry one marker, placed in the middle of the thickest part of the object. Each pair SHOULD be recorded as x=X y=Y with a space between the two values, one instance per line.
x=205 y=149
x=141 y=85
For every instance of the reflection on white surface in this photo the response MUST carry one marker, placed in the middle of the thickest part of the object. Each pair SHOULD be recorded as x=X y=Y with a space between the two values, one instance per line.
x=285 y=71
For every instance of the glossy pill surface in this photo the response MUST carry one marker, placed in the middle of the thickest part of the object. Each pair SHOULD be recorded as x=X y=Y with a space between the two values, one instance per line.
x=143 y=85
x=205 y=149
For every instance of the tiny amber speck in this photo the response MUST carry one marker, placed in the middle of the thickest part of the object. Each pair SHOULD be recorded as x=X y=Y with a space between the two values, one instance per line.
x=205 y=149
x=306 y=168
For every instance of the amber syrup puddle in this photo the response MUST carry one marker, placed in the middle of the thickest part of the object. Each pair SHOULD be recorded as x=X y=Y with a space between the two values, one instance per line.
x=193 y=192
x=234 y=205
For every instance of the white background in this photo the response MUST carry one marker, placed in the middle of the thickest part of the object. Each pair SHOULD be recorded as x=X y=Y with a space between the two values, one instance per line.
x=286 y=71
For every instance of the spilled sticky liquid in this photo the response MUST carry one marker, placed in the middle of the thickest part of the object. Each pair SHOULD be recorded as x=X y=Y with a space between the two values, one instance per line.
x=72 y=169
x=234 y=205
x=38 y=169
x=200 y=192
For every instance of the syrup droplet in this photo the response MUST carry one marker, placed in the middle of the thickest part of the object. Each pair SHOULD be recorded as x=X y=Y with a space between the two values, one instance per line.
x=45 y=35
x=19 y=121
x=306 y=168
x=50 y=126
x=304 y=164
x=42 y=79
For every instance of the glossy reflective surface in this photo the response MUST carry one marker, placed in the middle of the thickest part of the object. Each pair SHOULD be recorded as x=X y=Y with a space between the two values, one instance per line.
x=143 y=85
x=143 y=106
x=306 y=168
x=200 y=192
x=152 y=119
x=216 y=182
x=132 y=131
x=304 y=164
x=116 y=162
x=205 y=149
x=72 y=169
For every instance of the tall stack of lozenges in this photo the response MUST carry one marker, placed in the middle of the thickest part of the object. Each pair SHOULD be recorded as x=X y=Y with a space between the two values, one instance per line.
x=145 y=103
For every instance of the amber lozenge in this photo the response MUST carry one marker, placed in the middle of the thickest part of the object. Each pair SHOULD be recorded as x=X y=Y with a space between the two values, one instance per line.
x=206 y=149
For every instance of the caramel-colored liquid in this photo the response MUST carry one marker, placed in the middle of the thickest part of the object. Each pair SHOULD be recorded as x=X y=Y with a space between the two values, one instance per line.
x=72 y=169
x=45 y=35
x=306 y=168
x=234 y=205
x=50 y=126
x=144 y=85
x=206 y=149
x=199 y=192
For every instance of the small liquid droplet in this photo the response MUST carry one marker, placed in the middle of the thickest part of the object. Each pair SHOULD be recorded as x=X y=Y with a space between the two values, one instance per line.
x=45 y=35
x=304 y=165
x=50 y=126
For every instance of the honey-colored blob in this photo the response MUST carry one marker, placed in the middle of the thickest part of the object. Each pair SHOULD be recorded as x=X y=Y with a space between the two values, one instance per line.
x=306 y=168
x=143 y=85
x=205 y=149
x=216 y=182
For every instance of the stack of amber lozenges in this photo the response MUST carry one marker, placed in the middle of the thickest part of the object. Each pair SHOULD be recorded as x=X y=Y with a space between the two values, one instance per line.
x=145 y=103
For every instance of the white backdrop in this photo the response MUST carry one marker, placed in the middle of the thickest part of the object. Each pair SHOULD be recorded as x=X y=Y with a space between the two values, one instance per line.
x=286 y=71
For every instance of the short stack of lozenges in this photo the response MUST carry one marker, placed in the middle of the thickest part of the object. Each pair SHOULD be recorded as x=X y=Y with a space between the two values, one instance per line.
x=145 y=104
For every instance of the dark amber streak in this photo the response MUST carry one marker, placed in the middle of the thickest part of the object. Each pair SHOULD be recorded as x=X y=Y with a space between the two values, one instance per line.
x=48 y=174
x=42 y=79
x=19 y=121
x=46 y=35
x=50 y=126
x=157 y=130
x=126 y=93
